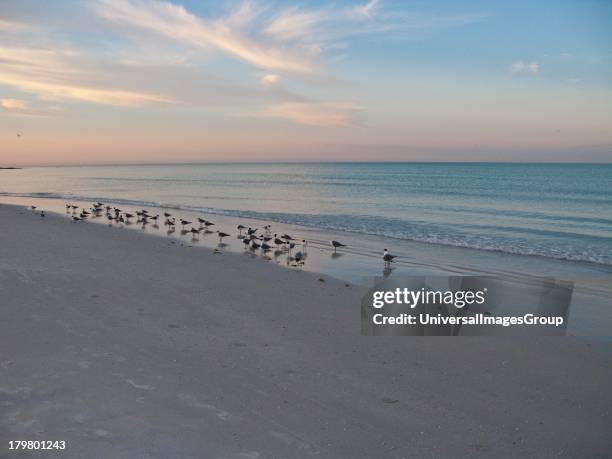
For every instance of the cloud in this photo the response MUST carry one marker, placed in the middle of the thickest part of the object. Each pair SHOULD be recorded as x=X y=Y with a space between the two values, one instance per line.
x=51 y=74
x=177 y=23
x=293 y=23
x=322 y=114
x=12 y=104
x=269 y=80
x=525 y=67
x=364 y=11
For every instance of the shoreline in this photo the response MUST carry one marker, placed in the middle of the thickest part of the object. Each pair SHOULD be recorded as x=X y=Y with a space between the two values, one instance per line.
x=138 y=346
x=360 y=263
x=390 y=240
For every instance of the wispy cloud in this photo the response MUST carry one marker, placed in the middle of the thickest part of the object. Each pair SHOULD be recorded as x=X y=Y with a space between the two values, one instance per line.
x=323 y=114
x=51 y=74
x=12 y=104
x=269 y=80
x=363 y=11
x=525 y=67
x=177 y=23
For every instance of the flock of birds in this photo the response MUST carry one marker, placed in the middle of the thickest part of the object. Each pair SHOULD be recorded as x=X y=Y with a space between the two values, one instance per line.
x=252 y=238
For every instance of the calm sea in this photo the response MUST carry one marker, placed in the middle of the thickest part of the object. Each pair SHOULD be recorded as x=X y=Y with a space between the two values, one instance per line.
x=559 y=211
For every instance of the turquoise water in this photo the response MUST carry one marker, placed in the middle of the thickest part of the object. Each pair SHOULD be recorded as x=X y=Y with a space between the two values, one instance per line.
x=561 y=211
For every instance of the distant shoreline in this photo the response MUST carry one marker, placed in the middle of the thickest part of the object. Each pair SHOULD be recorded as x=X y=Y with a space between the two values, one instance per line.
x=10 y=167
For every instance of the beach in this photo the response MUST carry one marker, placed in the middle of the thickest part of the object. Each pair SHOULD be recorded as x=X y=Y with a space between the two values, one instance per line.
x=128 y=344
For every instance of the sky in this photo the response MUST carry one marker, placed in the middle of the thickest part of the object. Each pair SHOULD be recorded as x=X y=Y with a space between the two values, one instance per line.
x=112 y=81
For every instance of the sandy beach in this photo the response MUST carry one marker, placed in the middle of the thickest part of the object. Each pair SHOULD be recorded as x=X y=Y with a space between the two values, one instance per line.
x=125 y=344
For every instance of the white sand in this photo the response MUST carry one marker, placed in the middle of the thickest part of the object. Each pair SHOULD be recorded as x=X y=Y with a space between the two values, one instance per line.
x=129 y=345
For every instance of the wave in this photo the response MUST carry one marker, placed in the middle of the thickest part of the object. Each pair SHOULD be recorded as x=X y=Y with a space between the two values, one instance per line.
x=423 y=232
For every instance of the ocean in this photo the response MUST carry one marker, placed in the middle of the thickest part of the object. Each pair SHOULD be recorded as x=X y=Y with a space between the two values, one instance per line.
x=557 y=211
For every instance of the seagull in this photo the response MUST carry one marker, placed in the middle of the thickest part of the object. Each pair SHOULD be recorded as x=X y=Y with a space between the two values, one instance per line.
x=167 y=215
x=154 y=217
x=42 y=213
x=265 y=246
x=251 y=231
x=185 y=222
x=267 y=228
x=128 y=216
x=240 y=228
x=246 y=242
x=278 y=241
x=287 y=237
x=255 y=245
x=201 y=220
x=222 y=235
x=299 y=257
x=194 y=231
x=33 y=207
x=336 y=244
x=207 y=224
x=387 y=257
x=76 y=219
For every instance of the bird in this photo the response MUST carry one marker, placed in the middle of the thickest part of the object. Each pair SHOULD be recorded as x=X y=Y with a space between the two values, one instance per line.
x=185 y=222
x=267 y=228
x=265 y=246
x=167 y=215
x=240 y=228
x=194 y=231
x=278 y=241
x=336 y=244
x=207 y=223
x=251 y=231
x=255 y=245
x=18 y=135
x=299 y=257
x=287 y=237
x=387 y=257
x=154 y=217
x=33 y=207
x=201 y=220
x=76 y=219
x=42 y=213
x=304 y=245
x=222 y=235
x=246 y=242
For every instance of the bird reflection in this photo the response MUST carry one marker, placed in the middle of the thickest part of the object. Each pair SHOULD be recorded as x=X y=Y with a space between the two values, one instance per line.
x=387 y=270
x=335 y=255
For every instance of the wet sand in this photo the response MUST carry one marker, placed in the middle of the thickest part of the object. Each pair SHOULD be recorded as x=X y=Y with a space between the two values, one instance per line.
x=126 y=344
